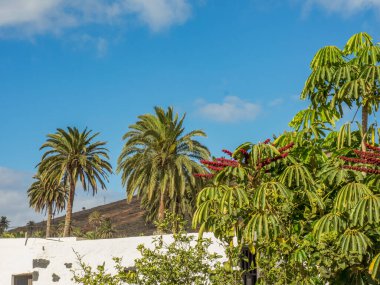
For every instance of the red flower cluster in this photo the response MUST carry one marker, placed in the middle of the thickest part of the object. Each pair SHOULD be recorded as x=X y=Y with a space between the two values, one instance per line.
x=371 y=147
x=219 y=164
x=270 y=160
x=367 y=153
x=362 y=169
x=284 y=148
x=227 y=152
x=366 y=157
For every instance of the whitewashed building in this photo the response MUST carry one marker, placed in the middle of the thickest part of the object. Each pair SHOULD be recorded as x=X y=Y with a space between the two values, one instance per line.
x=51 y=261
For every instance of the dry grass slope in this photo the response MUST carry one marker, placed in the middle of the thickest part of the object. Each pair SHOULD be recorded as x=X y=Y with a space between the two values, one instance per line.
x=127 y=218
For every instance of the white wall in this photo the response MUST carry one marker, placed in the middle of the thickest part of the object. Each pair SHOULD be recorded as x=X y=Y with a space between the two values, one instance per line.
x=17 y=258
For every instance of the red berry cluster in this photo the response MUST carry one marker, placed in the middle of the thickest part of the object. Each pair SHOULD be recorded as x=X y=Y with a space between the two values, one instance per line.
x=371 y=157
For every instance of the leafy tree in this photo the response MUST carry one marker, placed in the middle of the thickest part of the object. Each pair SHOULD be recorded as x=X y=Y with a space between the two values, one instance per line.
x=349 y=76
x=307 y=203
x=48 y=197
x=4 y=224
x=157 y=162
x=73 y=156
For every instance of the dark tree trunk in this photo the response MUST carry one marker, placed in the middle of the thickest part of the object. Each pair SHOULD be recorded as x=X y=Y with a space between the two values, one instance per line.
x=69 y=210
x=48 y=221
x=161 y=209
x=364 y=126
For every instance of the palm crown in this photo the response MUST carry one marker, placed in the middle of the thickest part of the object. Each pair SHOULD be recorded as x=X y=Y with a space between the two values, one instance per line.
x=158 y=161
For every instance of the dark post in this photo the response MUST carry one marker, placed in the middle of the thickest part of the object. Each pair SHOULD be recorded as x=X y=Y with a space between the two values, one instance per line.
x=247 y=263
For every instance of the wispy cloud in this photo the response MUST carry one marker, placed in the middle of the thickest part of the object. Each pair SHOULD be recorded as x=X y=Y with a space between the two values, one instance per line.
x=231 y=109
x=276 y=102
x=343 y=6
x=32 y=17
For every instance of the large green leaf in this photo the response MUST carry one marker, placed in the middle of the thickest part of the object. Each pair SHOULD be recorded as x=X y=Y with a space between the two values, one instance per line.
x=350 y=195
x=297 y=175
x=374 y=267
x=268 y=191
x=262 y=226
x=369 y=55
x=357 y=42
x=354 y=241
x=233 y=198
x=353 y=90
x=334 y=174
x=331 y=222
x=367 y=211
x=327 y=56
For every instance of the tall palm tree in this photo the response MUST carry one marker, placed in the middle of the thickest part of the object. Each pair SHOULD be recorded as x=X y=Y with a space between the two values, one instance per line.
x=73 y=156
x=4 y=224
x=158 y=161
x=47 y=197
x=30 y=225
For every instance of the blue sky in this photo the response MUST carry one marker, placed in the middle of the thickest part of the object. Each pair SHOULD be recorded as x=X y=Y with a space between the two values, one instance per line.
x=235 y=67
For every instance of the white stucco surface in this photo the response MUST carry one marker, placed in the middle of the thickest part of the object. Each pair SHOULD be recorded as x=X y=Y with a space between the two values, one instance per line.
x=17 y=255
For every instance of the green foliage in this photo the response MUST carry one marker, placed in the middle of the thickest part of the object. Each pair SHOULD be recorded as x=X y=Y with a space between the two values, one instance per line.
x=185 y=260
x=88 y=276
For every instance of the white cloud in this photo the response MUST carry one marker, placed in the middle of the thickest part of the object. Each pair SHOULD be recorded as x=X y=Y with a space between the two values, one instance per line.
x=14 y=203
x=276 y=102
x=31 y=17
x=344 y=6
x=232 y=109
x=13 y=198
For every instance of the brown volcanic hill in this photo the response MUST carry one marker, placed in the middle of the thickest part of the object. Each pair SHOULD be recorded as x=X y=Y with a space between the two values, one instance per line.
x=127 y=218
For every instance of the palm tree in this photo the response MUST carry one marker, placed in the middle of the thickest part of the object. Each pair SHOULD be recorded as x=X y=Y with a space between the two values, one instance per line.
x=72 y=155
x=95 y=219
x=4 y=224
x=47 y=197
x=158 y=161
x=106 y=229
x=31 y=225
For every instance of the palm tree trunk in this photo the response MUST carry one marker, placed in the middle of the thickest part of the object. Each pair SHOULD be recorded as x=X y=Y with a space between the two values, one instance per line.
x=48 y=221
x=364 y=126
x=69 y=210
x=161 y=209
